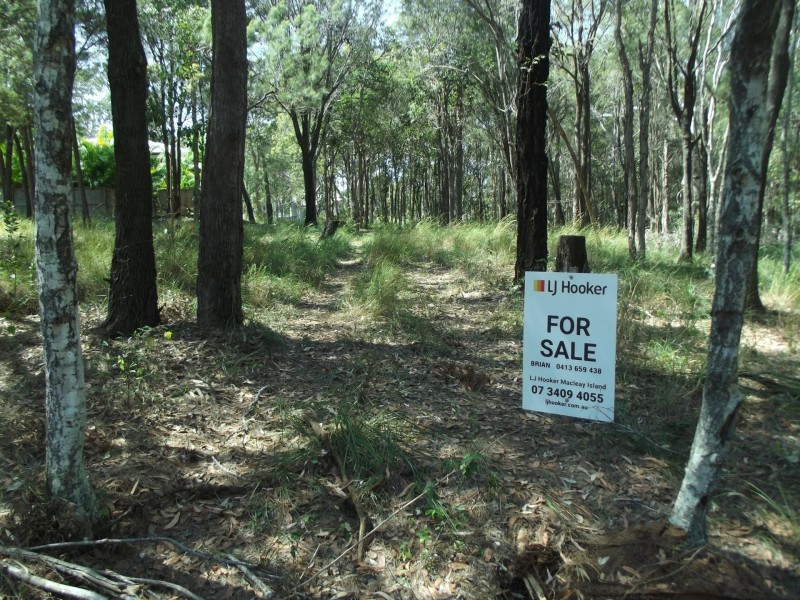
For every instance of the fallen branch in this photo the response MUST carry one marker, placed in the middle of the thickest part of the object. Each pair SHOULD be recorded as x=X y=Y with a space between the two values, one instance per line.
x=52 y=587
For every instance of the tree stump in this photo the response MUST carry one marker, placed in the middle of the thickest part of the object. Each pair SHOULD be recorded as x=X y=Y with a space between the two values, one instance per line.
x=330 y=229
x=571 y=255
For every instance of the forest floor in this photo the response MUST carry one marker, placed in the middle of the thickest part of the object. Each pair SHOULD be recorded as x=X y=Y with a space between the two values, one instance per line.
x=221 y=460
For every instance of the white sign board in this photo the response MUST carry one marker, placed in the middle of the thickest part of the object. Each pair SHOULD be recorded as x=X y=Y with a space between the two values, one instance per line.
x=570 y=344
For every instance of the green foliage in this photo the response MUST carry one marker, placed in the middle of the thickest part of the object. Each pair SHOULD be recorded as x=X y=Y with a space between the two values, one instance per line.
x=17 y=271
x=382 y=292
x=97 y=160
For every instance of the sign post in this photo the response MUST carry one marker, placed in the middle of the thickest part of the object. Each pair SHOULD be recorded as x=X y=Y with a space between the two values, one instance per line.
x=570 y=344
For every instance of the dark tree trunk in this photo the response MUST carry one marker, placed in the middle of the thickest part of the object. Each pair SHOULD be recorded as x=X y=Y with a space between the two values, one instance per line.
x=219 y=265
x=27 y=140
x=571 y=256
x=645 y=62
x=23 y=169
x=8 y=191
x=76 y=155
x=251 y=216
x=533 y=57
x=133 y=297
x=268 y=200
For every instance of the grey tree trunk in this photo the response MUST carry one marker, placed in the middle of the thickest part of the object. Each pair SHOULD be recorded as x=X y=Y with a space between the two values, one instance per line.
x=738 y=238
x=778 y=76
x=219 y=263
x=73 y=501
x=629 y=162
x=786 y=210
x=645 y=62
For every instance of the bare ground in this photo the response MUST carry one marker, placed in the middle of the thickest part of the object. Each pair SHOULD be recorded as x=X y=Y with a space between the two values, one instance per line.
x=207 y=439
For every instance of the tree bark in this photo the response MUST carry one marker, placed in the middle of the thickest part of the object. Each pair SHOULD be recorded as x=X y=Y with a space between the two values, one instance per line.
x=645 y=63
x=786 y=210
x=219 y=265
x=73 y=500
x=6 y=164
x=76 y=154
x=533 y=57
x=133 y=296
x=778 y=76
x=684 y=113
x=631 y=188
x=749 y=121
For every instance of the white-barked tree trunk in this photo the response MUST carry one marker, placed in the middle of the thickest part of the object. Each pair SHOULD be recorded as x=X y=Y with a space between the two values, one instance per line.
x=738 y=240
x=72 y=499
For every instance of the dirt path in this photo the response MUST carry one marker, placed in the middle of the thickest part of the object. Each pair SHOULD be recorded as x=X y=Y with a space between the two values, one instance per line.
x=205 y=439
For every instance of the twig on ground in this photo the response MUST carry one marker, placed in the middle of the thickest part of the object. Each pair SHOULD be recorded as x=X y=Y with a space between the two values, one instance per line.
x=263 y=588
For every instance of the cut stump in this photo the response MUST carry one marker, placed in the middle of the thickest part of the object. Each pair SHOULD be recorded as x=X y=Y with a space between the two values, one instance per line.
x=571 y=255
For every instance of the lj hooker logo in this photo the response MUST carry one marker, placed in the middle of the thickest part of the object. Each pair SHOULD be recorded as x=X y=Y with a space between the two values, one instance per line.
x=568 y=287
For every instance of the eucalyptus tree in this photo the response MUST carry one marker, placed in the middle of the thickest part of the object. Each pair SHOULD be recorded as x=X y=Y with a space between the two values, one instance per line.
x=16 y=85
x=684 y=106
x=219 y=263
x=493 y=67
x=778 y=77
x=311 y=48
x=73 y=503
x=576 y=32
x=133 y=297
x=533 y=41
x=744 y=177
x=176 y=37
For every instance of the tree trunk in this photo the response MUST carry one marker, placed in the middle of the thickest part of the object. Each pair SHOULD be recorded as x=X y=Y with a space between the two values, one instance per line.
x=133 y=296
x=27 y=140
x=76 y=153
x=778 y=76
x=251 y=216
x=749 y=119
x=571 y=256
x=645 y=62
x=23 y=169
x=268 y=199
x=8 y=191
x=219 y=265
x=73 y=500
x=533 y=56
x=665 y=189
x=786 y=210
x=631 y=188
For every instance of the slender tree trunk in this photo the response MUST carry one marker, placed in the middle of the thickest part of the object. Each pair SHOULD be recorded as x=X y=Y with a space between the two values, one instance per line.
x=268 y=199
x=778 y=76
x=645 y=62
x=27 y=140
x=786 y=210
x=8 y=191
x=76 y=153
x=665 y=189
x=248 y=204
x=23 y=169
x=631 y=188
x=533 y=56
x=219 y=265
x=72 y=499
x=749 y=118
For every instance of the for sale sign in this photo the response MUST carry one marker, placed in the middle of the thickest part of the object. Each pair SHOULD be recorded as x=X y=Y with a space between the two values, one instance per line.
x=570 y=344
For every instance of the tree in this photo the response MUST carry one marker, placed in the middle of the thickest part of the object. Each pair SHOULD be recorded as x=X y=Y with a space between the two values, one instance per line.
x=74 y=503
x=778 y=76
x=684 y=109
x=533 y=56
x=738 y=234
x=314 y=46
x=132 y=298
x=629 y=175
x=219 y=264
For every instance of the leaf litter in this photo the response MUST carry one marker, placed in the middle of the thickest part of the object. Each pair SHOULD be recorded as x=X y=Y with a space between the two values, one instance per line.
x=210 y=439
